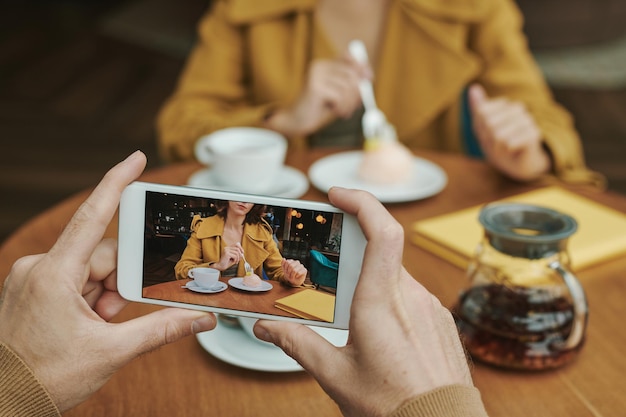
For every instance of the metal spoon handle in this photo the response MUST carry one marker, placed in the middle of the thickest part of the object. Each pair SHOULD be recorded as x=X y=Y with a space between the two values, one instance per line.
x=359 y=52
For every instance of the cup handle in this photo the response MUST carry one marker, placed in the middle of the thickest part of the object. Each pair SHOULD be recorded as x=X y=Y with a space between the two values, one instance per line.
x=204 y=153
x=190 y=274
x=580 y=307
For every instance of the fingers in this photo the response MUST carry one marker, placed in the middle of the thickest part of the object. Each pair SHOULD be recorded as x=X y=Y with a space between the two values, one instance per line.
x=301 y=343
x=156 y=329
x=502 y=125
x=100 y=290
x=477 y=96
x=295 y=272
x=232 y=255
x=21 y=266
x=335 y=84
x=370 y=213
x=109 y=304
x=103 y=263
x=88 y=224
x=364 y=70
x=331 y=91
x=385 y=241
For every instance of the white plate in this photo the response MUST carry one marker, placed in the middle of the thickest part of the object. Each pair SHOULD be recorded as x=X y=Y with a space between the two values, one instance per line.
x=341 y=170
x=234 y=346
x=290 y=182
x=219 y=287
x=238 y=283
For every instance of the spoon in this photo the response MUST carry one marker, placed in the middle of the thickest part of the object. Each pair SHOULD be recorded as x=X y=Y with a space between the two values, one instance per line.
x=374 y=120
x=246 y=265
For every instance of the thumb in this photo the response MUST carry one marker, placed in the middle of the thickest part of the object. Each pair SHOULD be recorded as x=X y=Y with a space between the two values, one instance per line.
x=146 y=333
x=477 y=96
x=300 y=342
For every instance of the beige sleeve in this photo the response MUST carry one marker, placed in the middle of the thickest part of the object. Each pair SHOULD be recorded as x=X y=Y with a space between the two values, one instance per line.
x=21 y=393
x=449 y=401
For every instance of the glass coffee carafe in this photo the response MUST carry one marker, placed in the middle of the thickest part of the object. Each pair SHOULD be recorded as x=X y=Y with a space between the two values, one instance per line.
x=524 y=309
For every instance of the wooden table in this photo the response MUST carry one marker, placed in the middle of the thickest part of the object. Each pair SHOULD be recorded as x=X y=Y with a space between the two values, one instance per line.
x=230 y=298
x=182 y=379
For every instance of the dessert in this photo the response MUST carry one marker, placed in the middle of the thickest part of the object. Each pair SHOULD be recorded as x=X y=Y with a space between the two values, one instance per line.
x=252 y=280
x=385 y=160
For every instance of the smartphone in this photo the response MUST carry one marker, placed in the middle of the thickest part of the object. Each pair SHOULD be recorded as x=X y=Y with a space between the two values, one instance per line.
x=167 y=234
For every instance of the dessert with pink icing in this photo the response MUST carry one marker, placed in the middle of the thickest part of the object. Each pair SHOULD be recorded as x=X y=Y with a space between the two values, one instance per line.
x=252 y=280
x=385 y=160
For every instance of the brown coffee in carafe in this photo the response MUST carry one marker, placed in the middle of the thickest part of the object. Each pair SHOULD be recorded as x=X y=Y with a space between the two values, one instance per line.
x=516 y=327
x=524 y=309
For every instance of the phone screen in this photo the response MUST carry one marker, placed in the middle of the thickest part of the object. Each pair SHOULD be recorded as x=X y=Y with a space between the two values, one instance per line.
x=183 y=232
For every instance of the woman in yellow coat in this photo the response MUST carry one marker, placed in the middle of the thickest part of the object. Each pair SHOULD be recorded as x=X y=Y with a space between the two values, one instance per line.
x=237 y=231
x=452 y=76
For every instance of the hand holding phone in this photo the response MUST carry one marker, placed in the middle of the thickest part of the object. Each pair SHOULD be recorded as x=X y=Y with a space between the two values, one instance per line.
x=401 y=335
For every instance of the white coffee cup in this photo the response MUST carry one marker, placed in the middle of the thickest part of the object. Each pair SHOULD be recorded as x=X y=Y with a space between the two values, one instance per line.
x=204 y=277
x=243 y=159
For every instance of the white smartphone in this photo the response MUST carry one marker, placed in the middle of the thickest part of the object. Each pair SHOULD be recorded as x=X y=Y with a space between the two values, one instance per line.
x=167 y=234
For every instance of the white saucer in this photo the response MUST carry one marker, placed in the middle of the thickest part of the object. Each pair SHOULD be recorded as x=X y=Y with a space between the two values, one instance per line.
x=234 y=346
x=238 y=283
x=219 y=287
x=341 y=170
x=290 y=183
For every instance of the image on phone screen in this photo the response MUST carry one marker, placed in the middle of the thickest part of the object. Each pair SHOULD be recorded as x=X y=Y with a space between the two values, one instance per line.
x=183 y=233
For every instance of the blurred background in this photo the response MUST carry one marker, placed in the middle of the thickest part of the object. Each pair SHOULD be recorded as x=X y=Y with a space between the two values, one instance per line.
x=81 y=83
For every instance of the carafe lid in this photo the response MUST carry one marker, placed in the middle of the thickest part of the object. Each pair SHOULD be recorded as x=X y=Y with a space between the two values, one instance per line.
x=525 y=230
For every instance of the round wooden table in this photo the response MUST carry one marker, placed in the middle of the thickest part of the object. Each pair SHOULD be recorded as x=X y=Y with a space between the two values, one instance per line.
x=182 y=379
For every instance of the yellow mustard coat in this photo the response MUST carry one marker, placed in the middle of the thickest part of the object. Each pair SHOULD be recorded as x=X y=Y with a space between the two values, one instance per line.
x=253 y=56
x=206 y=244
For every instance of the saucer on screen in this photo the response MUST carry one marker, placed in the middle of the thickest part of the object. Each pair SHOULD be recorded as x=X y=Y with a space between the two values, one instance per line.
x=234 y=346
x=238 y=283
x=341 y=170
x=290 y=183
x=219 y=287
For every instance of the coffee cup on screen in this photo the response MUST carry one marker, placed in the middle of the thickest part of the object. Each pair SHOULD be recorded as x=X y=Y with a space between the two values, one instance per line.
x=243 y=159
x=204 y=277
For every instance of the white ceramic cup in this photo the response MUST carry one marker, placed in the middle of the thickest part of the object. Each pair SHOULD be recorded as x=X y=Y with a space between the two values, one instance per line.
x=204 y=277
x=243 y=159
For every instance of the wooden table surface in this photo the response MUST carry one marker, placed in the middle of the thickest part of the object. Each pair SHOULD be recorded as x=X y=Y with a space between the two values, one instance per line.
x=230 y=298
x=182 y=379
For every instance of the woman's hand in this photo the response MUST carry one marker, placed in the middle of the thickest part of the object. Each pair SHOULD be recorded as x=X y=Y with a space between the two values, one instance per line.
x=231 y=255
x=295 y=272
x=331 y=91
x=55 y=307
x=402 y=342
x=508 y=136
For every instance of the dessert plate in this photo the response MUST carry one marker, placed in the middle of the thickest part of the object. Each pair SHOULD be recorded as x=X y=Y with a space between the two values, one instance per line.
x=238 y=283
x=290 y=183
x=234 y=346
x=219 y=287
x=341 y=169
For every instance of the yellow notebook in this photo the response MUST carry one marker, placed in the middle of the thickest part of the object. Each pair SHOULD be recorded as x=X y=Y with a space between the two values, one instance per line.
x=601 y=233
x=309 y=304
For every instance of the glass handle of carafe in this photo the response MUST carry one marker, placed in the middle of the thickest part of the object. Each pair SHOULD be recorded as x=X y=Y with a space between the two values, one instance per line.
x=580 y=307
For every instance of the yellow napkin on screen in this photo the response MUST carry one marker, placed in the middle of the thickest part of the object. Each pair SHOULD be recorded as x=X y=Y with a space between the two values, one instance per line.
x=309 y=304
